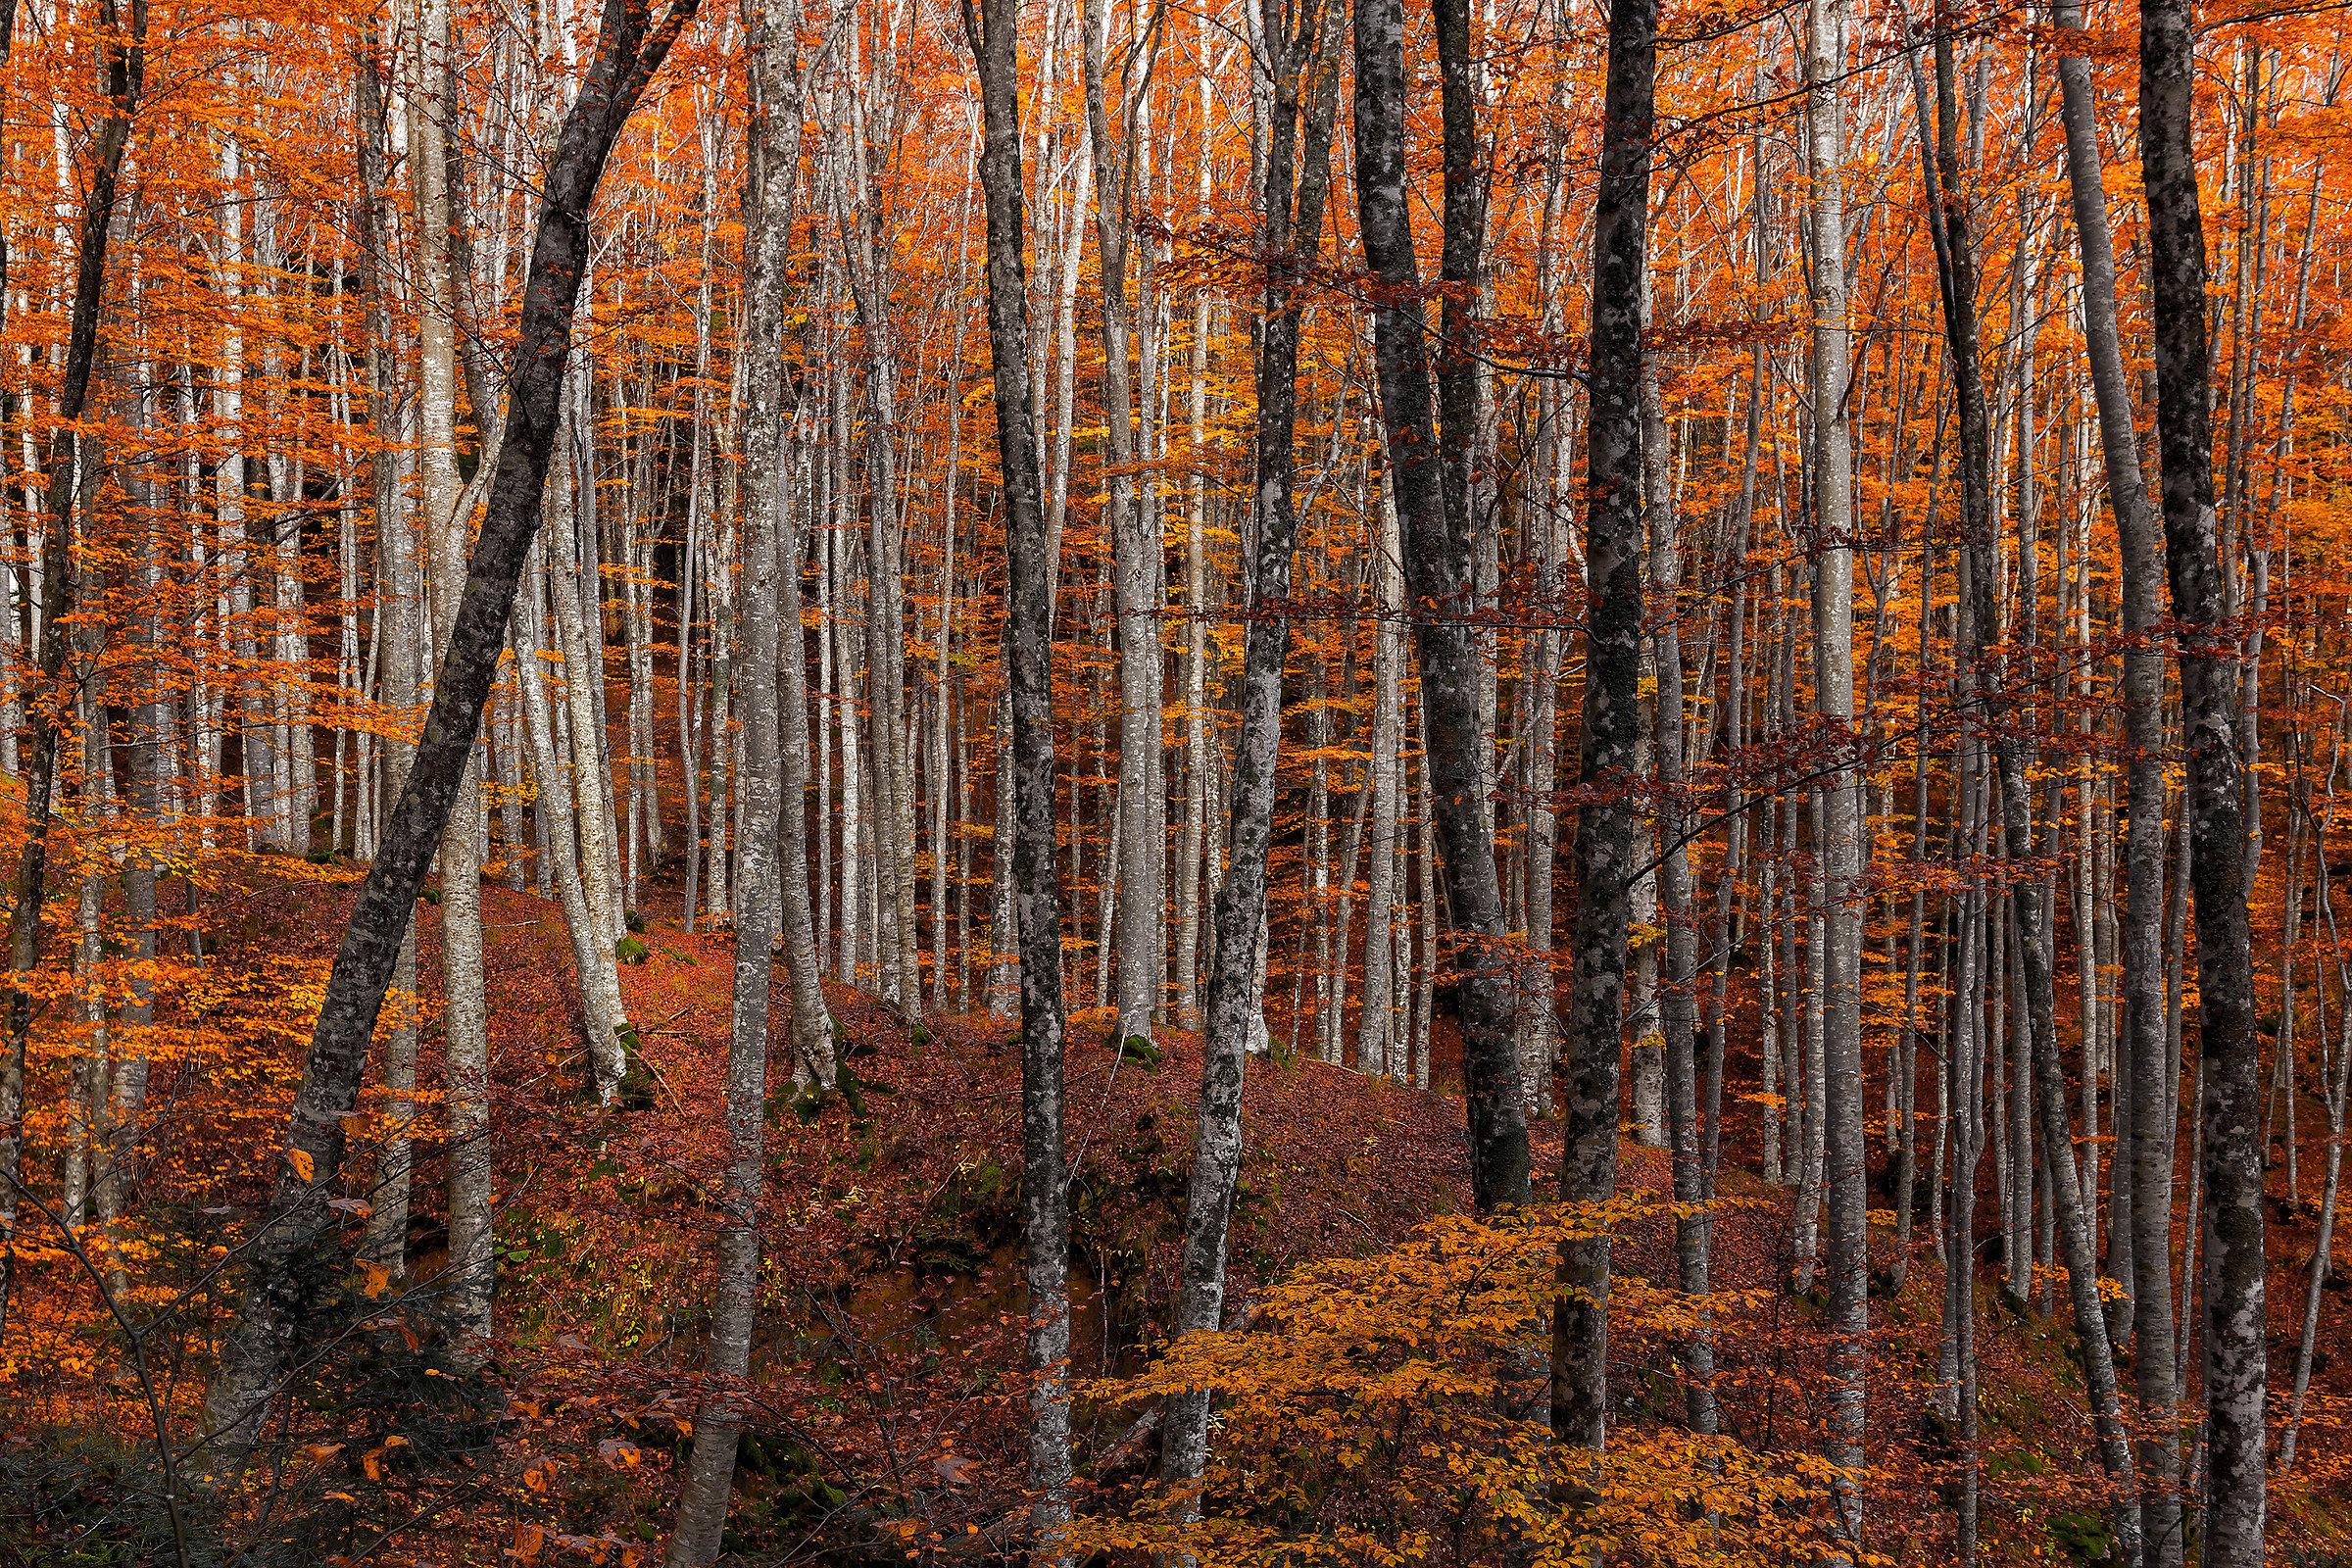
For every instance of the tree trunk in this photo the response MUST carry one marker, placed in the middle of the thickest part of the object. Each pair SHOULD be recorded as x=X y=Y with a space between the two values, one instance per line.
x=992 y=30
x=123 y=73
x=1949 y=228
x=1438 y=547
x=707 y=1487
x=1135 y=558
x=629 y=48
x=447 y=527
x=1304 y=57
x=1603 y=866
x=1839 y=1094
x=1676 y=1022
x=2235 y=1369
x=590 y=957
x=2146 y=1046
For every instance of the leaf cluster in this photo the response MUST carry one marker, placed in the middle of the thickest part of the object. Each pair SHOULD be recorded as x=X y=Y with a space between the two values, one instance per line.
x=1389 y=1410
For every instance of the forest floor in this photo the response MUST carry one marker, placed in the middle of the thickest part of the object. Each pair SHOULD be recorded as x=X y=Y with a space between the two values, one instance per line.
x=889 y=1391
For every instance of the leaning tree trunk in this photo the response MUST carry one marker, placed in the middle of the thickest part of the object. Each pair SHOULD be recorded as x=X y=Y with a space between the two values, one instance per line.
x=992 y=30
x=1604 y=867
x=2236 y=1361
x=255 y=1357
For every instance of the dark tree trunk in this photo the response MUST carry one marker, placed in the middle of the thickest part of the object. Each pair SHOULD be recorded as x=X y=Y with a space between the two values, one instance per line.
x=2235 y=1363
x=1462 y=746
x=1438 y=554
x=1605 y=870
x=629 y=48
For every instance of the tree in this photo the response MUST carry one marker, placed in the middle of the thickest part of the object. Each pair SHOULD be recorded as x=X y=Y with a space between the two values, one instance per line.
x=766 y=533
x=125 y=74
x=2147 y=1050
x=993 y=32
x=1303 y=40
x=630 y=48
x=2215 y=813
x=1837 y=808
x=1437 y=547
x=1603 y=868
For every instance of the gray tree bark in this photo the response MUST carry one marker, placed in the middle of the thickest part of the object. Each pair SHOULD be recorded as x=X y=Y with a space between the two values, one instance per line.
x=447 y=527
x=992 y=31
x=1302 y=35
x=1135 y=570
x=1987 y=680
x=2146 y=1046
x=1839 y=1097
x=1677 y=999
x=709 y=1484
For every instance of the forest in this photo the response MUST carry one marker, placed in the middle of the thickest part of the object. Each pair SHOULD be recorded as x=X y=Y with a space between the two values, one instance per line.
x=1246 y=784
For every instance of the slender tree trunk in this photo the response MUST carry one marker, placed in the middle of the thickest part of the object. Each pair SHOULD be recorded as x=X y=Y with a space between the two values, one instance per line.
x=1375 y=1051
x=711 y=1467
x=1306 y=58
x=992 y=31
x=590 y=956
x=1135 y=556
x=396 y=654
x=1838 y=798
x=1432 y=506
x=1692 y=1232
x=2146 y=1044
x=2322 y=1246
x=1949 y=225
x=447 y=528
